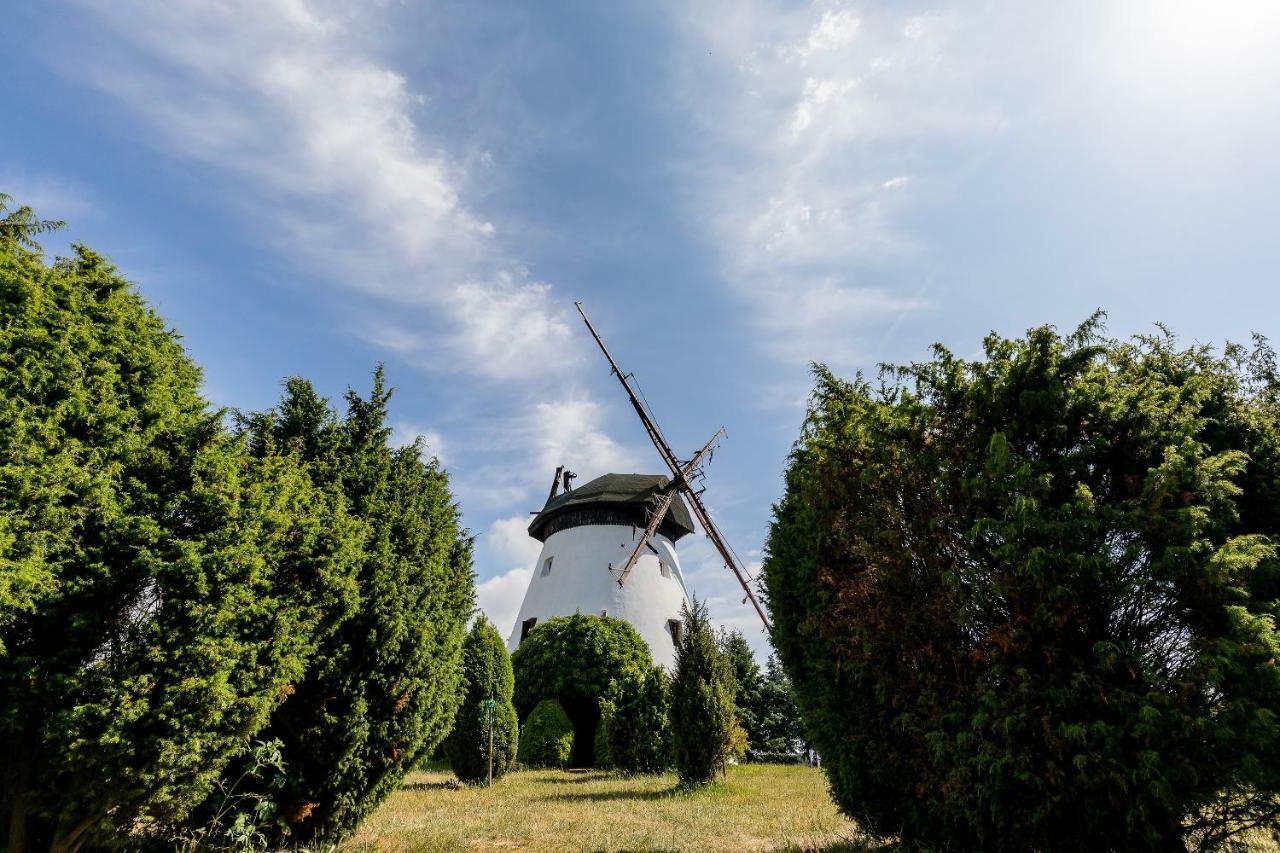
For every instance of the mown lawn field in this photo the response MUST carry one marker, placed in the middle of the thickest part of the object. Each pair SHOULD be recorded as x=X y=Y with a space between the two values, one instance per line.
x=760 y=807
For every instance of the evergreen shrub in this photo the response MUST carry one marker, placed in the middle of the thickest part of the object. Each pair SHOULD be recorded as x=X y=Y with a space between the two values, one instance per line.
x=634 y=718
x=486 y=675
x=547 y=738
x=702 y=712
x=383 y=685
x=1029 y=602
x=160 y=588
x=574 y=659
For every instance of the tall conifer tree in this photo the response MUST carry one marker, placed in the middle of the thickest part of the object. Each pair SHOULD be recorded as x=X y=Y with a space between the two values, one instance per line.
x=158 y=586
x=702 y=712
x=383 y=687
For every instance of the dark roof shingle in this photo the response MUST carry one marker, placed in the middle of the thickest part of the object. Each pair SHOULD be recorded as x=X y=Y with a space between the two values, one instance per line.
x=624 y=491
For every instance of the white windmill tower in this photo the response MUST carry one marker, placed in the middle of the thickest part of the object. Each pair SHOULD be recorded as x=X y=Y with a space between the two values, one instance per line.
x=608 y=547
x=587 y=535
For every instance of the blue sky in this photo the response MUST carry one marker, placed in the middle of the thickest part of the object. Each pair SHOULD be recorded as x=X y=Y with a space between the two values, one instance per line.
x=734 y=189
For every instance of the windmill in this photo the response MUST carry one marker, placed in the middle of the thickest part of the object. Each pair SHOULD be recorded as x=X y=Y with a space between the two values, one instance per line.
x=684 y=475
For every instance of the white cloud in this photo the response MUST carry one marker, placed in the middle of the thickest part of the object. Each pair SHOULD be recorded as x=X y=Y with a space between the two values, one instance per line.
x=297 y=118
x=321 y=143
x=404 y=433
x=509 y=540
x=500 y=597
x=568 y=432
x=803 y=112
x=834 y=30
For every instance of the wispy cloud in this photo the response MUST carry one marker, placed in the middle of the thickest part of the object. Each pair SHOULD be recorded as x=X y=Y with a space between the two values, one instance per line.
x=404 y=433
x=303 y=123
x=49 y=197
x=500 y=598
x=321 y=141
x=816 y=121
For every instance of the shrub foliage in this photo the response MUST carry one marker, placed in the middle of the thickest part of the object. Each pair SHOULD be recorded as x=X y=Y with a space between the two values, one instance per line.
x=1029 y=601
x=574 y=659
x=486 y=674
x=159 y=587
x=704 y=731
x=634 y=719
x=547 y=739
x=382 y=687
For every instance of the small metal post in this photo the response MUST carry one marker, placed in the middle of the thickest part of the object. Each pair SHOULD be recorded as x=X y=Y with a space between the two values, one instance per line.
x=489 y=705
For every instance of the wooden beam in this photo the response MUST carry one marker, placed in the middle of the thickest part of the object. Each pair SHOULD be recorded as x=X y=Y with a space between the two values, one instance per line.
x=668 y=498
x=668 y=456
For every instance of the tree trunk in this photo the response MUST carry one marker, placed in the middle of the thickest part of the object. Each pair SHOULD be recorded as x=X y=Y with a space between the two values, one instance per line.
x=18 y=823
x=18 y=781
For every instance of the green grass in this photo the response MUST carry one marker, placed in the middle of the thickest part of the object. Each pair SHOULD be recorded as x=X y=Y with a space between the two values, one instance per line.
x=760 y=807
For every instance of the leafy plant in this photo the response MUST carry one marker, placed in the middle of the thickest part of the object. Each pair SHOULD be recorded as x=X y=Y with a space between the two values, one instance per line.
x=574 y=659
x=547 y=739
x=243 y=815
x=1029 y=601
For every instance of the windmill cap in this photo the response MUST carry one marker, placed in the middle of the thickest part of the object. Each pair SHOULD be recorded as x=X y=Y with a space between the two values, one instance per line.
x=612 y=499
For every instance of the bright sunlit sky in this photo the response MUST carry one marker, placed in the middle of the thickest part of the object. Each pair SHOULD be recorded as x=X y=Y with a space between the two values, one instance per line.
x=734 y=190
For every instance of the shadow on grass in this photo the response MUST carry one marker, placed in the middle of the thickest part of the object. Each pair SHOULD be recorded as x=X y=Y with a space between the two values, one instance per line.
x=430 y=786
x=586 y=776
x=849 y=845
x=604 y=796
x=852 y=844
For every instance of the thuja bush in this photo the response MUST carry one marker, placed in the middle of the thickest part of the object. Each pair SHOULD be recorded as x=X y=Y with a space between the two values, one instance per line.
x=383 y=686
x=574 y=659
x=634 y=718
x=1029 y=601
x=486 y=675
x=547 y=739
x=160 y=588
x=704 y=730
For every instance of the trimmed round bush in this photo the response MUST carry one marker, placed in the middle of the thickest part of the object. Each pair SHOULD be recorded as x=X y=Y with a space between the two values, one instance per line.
x=574 y=659
x=486 y=672
x=547 y=739
x=1029 y=602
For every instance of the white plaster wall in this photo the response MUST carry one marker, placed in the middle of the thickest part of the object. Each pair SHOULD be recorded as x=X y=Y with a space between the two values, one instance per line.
x=581 y=582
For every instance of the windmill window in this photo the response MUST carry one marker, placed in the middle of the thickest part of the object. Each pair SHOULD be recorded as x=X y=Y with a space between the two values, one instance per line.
x=664 y=568
x=546 y=567
x=676 y=627
x=526 y=626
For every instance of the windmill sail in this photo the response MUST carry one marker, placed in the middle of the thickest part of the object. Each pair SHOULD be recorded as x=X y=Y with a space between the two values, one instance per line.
x=680 y=477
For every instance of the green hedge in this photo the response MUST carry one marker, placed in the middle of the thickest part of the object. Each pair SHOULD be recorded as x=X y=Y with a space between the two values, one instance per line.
x=547 y=739
x=574 y=659
x=1028 y=602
